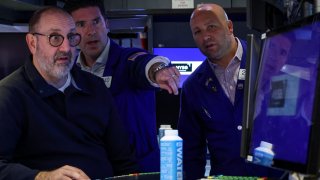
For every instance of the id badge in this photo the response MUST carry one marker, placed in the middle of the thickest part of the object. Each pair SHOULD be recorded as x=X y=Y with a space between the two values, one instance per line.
x=107 y=80
x=242 y=74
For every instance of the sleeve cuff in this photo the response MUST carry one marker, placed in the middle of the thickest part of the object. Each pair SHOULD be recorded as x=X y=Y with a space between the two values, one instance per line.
x=154 y=60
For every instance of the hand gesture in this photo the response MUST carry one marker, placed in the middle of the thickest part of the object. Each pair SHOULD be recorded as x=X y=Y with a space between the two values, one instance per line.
x=63 y=173
x=168 y=78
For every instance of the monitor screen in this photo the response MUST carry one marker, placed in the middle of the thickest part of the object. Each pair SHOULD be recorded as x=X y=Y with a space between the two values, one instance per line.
x=285 y=101
x=185 y=59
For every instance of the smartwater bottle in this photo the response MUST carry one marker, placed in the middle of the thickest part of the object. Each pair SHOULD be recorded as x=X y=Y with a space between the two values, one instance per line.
x=162 y=129
x=171 y=156
x=263 y=154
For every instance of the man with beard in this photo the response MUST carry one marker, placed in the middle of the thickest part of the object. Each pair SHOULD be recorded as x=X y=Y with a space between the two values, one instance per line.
x=212 y=100
x=132 y=74
x=47 y=129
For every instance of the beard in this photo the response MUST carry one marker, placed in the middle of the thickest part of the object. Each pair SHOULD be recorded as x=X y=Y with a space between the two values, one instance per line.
x=51 y=67
x=222 y=49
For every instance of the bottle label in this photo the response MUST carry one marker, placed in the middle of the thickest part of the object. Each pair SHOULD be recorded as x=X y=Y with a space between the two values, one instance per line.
x=262 y=158
x=171 y=160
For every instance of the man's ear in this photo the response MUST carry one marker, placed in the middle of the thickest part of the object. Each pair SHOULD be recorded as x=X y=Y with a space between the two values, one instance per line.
x=31 y=41
x=107 y=24
x=230 y=26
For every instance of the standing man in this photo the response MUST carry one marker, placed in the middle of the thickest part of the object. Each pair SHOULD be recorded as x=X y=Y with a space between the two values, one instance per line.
x=212 y=99
x=56 y=121
x=131 y=74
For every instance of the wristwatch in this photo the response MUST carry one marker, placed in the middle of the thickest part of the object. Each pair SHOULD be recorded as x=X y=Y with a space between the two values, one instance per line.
x=161 y=66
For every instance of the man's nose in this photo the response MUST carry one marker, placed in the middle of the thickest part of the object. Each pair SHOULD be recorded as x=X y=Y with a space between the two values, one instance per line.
x=206 y=37
x=91 y=29
x=65 y=46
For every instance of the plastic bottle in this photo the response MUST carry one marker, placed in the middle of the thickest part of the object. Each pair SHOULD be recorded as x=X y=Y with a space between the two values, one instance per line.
x=171 y=156
x=263 y=154
x=162 y=129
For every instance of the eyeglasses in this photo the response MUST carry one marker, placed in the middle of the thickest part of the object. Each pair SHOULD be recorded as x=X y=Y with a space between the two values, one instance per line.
x=56 y=40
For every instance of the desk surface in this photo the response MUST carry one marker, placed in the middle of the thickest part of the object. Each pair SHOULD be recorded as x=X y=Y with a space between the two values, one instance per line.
x=138 y=176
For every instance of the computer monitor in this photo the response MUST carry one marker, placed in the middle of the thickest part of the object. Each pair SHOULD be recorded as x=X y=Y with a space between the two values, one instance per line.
x=184 y=58
x=285 y=101
x=252 y=65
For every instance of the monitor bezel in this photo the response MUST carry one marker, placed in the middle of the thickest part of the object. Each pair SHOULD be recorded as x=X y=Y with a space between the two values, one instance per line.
x=312 y=164
x=252 y=63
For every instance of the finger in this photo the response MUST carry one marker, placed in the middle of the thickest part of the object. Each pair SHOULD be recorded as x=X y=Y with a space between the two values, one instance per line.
x=76 y=175
x=166 y=87
x=175 y=74
x=175 y=70
x=175 y=88
x=74 y=172
x=168 y=80
x=176 y=79
x=173 y=84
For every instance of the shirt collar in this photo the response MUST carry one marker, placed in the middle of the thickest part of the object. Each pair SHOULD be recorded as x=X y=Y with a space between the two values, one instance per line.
x=102 y=59
x=40 y=85
x=66 y=84
x=239 y=51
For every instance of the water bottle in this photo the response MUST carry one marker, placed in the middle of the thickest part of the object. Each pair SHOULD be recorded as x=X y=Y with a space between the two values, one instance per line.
x=263 y=154
x=162 y=129
x=171 y=156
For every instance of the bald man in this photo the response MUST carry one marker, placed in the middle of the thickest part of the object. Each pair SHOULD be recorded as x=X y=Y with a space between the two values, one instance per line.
x=212 y=100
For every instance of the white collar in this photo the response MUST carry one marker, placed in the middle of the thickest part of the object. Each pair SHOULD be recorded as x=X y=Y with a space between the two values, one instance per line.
x=66 y=84
x=102 y=59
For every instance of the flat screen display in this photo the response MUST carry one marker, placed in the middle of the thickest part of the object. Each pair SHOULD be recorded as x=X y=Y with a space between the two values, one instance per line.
x=285 y=110
x=185 y=59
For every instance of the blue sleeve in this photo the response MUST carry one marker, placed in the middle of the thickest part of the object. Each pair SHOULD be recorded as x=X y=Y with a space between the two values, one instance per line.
x=191 y=130
x=11 y=113
x=138 y=60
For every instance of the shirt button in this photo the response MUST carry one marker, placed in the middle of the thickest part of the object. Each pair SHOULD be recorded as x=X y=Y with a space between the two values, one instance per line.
x=239 y=128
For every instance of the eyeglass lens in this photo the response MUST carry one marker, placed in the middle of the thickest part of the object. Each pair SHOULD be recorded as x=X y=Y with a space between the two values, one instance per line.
x=74 y=39
x=57 y=39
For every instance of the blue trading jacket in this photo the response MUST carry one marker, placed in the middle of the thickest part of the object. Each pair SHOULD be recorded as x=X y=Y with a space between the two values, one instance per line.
x=135 y=98
x=208 y=117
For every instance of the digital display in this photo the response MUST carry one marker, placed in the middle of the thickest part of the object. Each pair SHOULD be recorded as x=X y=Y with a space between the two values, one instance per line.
x=186 y=60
